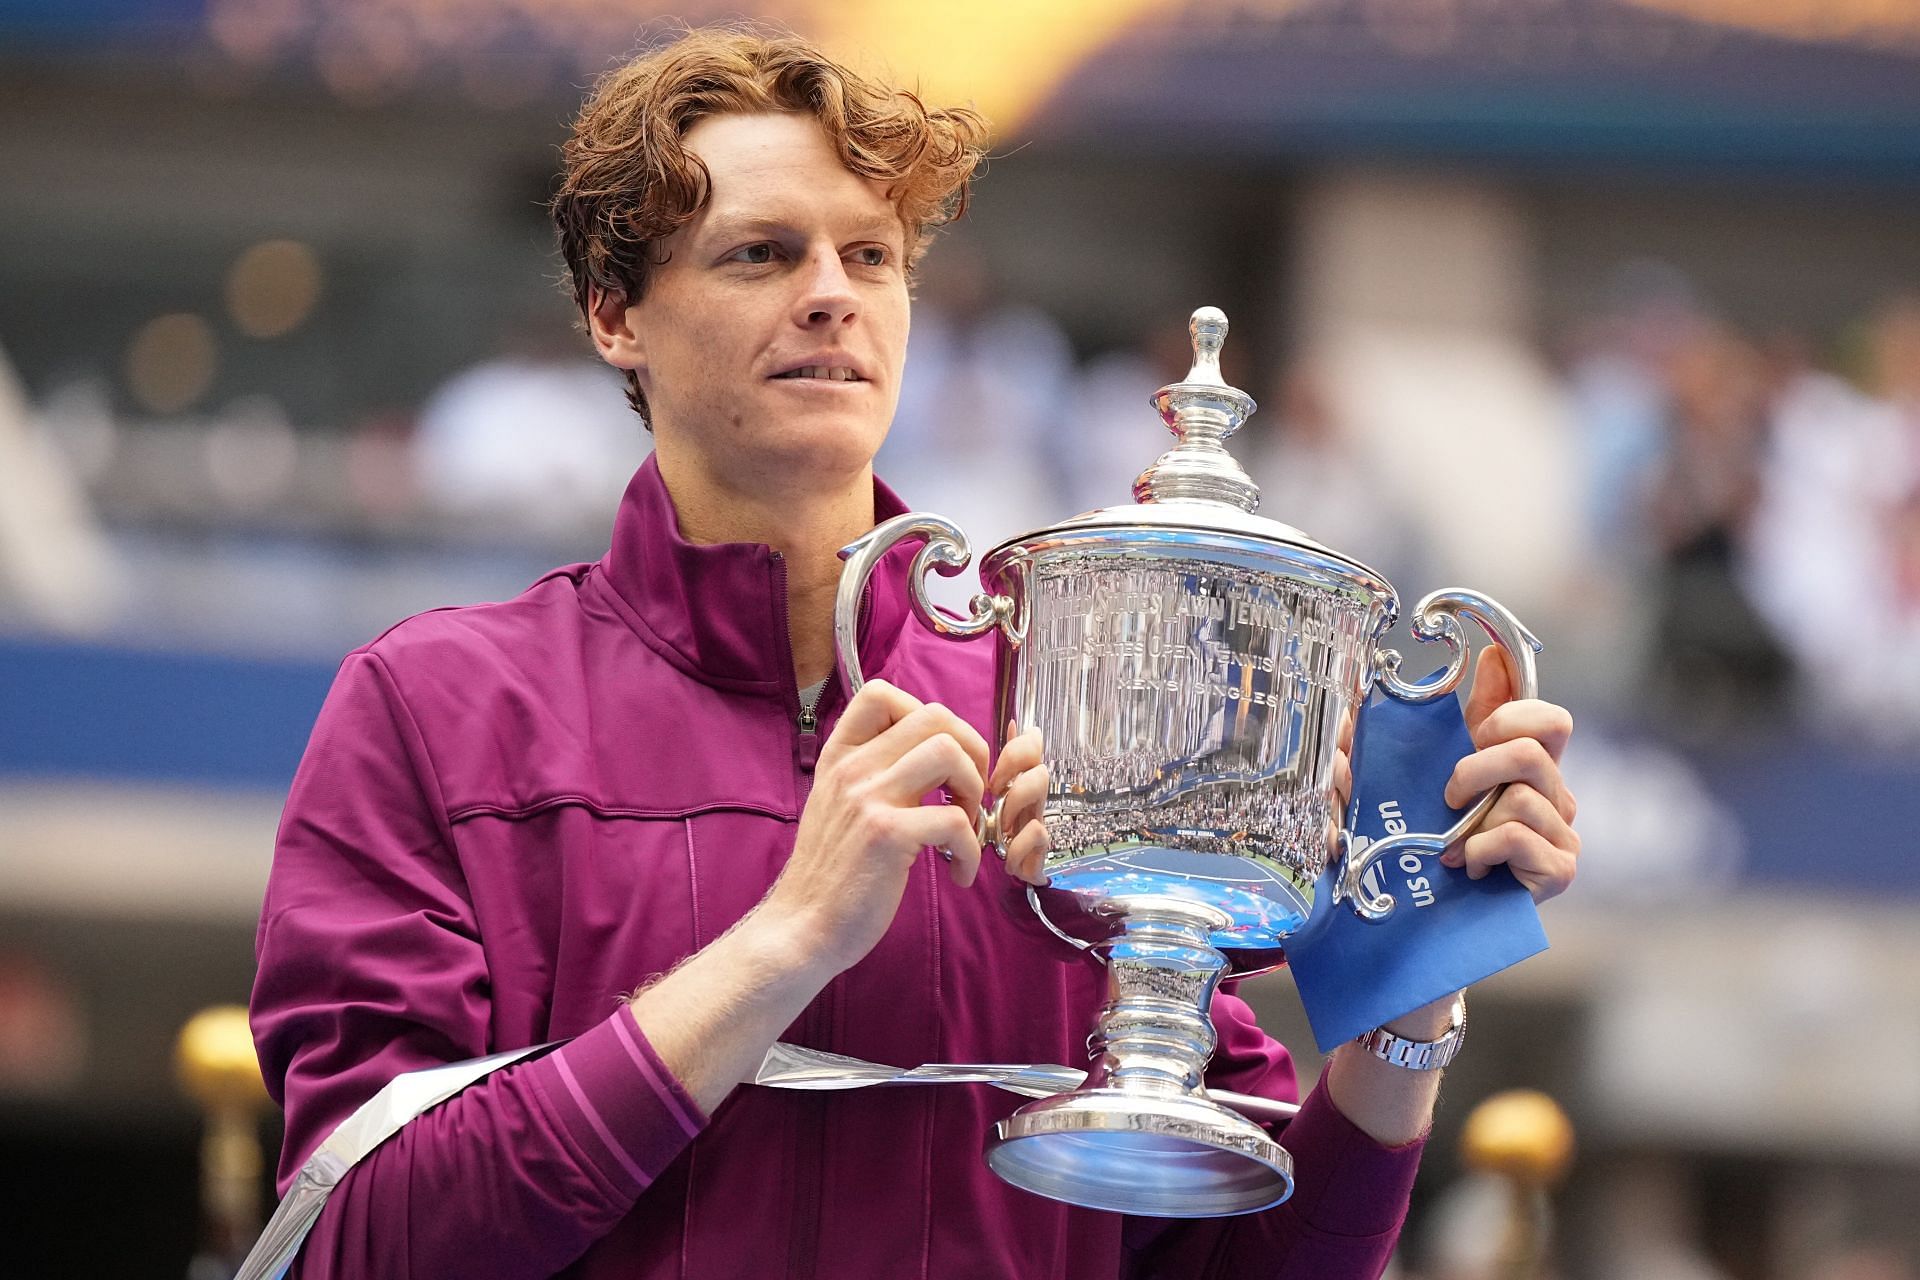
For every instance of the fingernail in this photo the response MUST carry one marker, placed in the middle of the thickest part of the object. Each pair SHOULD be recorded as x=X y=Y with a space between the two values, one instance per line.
x=1000 y=851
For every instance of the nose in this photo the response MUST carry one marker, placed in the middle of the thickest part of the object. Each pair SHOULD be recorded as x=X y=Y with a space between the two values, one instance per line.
x=826 y=298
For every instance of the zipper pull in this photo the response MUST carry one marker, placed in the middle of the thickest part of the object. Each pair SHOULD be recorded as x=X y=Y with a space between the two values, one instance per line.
x=806 y=748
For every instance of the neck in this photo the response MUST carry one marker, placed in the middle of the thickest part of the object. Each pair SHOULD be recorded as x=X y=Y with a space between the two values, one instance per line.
x=806 y=524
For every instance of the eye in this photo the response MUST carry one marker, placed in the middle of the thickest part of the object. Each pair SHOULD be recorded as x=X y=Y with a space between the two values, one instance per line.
x=872 y=255
x=754 y=254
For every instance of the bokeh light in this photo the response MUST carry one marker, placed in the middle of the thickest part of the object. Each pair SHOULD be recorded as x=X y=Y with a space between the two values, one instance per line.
x=171 y=362
x=272 y=288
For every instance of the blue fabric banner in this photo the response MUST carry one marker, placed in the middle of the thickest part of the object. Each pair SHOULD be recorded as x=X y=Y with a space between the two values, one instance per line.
x=1447 y=931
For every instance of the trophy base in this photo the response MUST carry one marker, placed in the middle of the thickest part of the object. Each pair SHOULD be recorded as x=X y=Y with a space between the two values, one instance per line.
x=1162 y=1156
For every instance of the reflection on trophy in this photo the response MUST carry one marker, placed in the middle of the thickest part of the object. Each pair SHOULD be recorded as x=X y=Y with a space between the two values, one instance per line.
x=215 y=1060
x=1189 y=666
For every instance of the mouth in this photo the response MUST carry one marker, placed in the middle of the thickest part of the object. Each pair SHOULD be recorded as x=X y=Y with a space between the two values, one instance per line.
x=820 y=373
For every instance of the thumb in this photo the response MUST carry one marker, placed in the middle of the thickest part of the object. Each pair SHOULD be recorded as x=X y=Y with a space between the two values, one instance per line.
x=1493 y=683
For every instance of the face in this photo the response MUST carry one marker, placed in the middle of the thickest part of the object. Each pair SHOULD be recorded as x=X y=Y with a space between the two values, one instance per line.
x=770 y=342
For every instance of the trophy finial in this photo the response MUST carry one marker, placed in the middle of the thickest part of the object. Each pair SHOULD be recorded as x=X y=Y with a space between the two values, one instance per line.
x=1208 y=329
x=1203 y=411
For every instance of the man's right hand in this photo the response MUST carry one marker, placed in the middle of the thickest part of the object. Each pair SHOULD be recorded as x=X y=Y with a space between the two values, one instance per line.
x=865 y=823
x=712 y=1018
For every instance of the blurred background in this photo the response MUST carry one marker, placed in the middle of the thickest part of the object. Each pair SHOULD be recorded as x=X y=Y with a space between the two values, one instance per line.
x=1610 y=308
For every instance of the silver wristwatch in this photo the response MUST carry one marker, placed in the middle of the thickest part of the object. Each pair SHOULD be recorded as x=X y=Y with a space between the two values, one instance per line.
x=1420 y=1055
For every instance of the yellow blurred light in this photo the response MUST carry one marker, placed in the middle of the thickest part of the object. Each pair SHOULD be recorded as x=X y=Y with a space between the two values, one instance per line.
x=215 y=1061
x=272 y=288
x=1004 y=55
x=171 y=362
x=1521 y=1133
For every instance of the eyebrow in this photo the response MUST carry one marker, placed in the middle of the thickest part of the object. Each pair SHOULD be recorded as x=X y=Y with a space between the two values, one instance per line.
x=728 y=228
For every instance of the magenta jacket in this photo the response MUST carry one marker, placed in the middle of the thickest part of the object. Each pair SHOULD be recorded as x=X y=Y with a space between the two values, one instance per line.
x=511 y=815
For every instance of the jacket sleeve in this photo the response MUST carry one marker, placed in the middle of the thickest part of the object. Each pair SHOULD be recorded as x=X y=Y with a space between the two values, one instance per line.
x=370 y=965
x=1349 y=1195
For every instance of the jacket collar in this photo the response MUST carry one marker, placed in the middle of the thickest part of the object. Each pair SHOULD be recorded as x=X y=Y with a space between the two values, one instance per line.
x=719 y=611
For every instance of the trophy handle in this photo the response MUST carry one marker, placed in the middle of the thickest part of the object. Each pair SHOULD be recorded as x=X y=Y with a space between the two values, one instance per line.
x=945 y=552
x=1437 y=617
x=1033 y=901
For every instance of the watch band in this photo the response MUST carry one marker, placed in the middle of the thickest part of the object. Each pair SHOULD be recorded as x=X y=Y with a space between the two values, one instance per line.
x=1420 y=1055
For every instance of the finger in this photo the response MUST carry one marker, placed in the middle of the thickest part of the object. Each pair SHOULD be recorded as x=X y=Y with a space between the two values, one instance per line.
x=945 y=828
x=1493 y=684
x=1022 y=752
x=1027 y=854
x=935 y=762
x=1023 y=801
x=875 y=709
x=929 y=720
x=1522 y=804
x=1521 y=760
x=1342 y=779
x=1545 y=869
x=1527 y=718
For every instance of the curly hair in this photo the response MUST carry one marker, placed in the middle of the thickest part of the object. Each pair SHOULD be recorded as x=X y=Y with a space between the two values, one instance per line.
x=627 y=180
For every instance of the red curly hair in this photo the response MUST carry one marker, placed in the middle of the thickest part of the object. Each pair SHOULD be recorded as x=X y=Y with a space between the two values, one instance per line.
x=627 y=181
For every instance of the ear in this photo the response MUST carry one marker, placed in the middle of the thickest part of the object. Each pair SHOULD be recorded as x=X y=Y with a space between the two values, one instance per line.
x=615 y=335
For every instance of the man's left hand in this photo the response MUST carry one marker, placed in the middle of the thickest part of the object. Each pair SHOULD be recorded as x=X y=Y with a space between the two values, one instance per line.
x=1519 y=743
x=1019 y=786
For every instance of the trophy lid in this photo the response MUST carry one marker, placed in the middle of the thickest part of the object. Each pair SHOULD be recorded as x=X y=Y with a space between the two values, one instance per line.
x=1197 y=484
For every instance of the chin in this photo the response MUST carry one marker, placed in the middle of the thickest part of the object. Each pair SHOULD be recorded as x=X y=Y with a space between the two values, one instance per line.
x=823 y=447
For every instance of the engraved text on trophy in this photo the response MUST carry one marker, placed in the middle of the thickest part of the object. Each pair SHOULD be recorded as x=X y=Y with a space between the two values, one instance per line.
x=1186 y=708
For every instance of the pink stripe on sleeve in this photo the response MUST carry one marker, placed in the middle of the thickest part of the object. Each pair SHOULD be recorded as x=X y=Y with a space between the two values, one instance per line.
x=593 y=1118
x=629 y=1035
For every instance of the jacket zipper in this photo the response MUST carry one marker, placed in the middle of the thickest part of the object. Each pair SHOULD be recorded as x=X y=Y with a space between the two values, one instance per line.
x=811 y=1131
x=807 y=747
x=803 y=1233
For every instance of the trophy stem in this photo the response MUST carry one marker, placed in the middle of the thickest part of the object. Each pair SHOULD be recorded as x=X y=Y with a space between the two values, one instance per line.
x=1154 y=1035
x=1143 y=1137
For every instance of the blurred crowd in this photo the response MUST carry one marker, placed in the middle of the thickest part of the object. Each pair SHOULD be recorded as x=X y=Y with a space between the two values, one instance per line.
x=1740 y=540
x=1724 y=533
x=1761 y=497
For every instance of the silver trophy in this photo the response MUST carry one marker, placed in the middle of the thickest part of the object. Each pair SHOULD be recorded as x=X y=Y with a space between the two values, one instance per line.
x=1190 y=667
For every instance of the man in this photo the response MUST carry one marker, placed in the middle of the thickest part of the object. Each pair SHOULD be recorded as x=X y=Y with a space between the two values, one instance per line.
x=641 y=773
